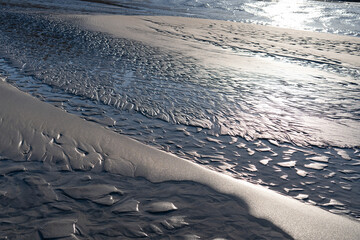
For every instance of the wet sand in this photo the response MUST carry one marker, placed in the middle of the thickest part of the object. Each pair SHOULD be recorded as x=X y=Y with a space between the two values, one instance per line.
x=47 y=204
x=227 y=45
x=57 y=158
x=181 y=34
x=36 y=131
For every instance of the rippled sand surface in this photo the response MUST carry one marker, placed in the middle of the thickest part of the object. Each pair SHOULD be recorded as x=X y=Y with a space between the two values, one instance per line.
x=275 y=107
x=50 y=204
x=54 y=158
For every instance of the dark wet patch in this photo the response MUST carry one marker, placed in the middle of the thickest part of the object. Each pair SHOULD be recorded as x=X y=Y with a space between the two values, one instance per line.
x=39 y=207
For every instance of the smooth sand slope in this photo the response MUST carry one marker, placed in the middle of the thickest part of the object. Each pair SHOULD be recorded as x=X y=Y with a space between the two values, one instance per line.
x=191 y=35
x=33 y=130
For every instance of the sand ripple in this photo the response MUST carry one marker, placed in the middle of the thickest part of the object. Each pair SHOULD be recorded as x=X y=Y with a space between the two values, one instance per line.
x=253 y=126
x=49 y=204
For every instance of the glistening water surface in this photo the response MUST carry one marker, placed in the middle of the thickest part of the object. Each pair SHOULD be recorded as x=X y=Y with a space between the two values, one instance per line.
x=256 y=126
x=339 y=17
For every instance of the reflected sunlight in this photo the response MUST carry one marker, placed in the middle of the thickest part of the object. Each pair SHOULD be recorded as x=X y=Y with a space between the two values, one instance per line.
x=290 y=13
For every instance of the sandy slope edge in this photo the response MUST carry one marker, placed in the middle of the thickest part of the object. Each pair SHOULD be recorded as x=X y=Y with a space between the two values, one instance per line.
x=34 y=130
x=192 y=35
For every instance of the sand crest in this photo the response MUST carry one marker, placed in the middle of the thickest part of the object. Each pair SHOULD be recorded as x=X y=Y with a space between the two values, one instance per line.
x=178 y=33
x=35 y=130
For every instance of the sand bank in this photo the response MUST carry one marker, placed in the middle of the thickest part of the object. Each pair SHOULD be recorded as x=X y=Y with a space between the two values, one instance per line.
x=251 y=49
x=33 y=130
x=98 y=66
x=178 y=33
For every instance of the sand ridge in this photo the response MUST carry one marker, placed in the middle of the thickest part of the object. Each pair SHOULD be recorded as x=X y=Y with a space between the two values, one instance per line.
x=178 y=33
x=39 y=134
x=33 y=130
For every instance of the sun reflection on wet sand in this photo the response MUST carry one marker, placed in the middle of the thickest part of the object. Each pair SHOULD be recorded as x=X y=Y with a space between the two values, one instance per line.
x=293 y=14
x=233 y=97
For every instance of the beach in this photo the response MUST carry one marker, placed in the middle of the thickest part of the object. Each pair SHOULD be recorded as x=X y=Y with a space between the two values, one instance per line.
x=67 y=143
x=166 y=127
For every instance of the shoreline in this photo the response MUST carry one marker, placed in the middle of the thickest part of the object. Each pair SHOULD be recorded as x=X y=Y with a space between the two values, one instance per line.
x=249 y=48
x=34 y=130
x=194 y=32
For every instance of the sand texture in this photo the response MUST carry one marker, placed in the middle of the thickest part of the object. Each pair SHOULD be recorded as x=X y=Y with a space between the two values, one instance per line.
x=208 y=102
x=178 y=33
x=36 y=131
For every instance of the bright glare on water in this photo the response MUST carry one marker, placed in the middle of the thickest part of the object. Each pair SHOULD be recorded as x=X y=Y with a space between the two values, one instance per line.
x=323 y=16
x=293 y=14
x=338 y=17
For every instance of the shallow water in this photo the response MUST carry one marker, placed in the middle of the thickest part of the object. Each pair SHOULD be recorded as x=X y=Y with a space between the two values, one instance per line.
x=339 y=17
x=139 y=90
x=292 y=104
x=265 y=127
